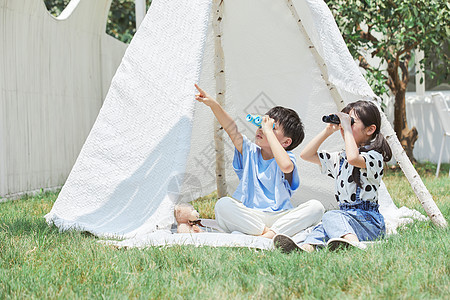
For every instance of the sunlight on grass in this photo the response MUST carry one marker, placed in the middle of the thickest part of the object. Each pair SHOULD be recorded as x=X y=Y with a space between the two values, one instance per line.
x=403 y=194
x=205 y=205
x=38 y=261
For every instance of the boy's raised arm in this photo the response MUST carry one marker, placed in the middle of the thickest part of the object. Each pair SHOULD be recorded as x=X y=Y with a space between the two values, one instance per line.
x=222 y=116
x=279 y=153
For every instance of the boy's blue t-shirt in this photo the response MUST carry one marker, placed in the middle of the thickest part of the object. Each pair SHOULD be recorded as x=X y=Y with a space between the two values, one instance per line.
x=261 y=183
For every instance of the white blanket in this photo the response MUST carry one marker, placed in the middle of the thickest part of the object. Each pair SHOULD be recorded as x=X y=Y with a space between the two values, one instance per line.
x=212 y=236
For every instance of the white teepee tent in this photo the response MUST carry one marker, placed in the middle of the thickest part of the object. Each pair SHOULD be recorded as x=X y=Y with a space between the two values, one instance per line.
x=152 y=145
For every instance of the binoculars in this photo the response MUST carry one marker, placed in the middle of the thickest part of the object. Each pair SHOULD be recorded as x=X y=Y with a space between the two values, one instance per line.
x=334 y=119
x=255 y=120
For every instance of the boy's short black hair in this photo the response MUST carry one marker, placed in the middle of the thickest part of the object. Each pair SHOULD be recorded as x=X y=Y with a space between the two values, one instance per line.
x=291 y=124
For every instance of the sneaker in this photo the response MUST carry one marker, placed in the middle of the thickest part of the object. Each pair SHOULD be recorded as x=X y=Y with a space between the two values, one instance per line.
x=285 y=243
x=340 y=243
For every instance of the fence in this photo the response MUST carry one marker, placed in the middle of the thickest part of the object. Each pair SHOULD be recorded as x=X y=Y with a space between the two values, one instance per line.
x=421 y=113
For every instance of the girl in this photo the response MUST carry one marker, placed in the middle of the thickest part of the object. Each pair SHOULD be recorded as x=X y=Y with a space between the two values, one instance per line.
x=357 y=171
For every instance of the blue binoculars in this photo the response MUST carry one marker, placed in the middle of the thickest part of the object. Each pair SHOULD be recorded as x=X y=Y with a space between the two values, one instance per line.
x=255 y=120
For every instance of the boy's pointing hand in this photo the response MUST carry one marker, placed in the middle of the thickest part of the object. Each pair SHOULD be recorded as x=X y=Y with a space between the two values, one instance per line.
x=203 y=97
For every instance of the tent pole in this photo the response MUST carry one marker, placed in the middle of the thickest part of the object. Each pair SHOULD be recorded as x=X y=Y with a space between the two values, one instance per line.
x=321 y=63
x=399 y=153
x=140 y=11
x=411 y=174
x=220 y=97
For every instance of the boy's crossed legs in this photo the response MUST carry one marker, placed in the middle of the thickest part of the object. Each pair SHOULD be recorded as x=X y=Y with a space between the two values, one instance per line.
x=232 y=215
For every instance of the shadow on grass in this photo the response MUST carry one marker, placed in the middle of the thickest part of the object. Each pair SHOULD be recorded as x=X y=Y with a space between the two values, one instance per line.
x=21 y=226
x=36 y=227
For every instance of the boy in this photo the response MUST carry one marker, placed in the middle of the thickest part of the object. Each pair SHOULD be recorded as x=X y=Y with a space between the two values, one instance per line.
x=267 y=174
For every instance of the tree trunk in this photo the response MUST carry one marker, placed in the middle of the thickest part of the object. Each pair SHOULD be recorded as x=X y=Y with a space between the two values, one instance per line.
x=406 y=136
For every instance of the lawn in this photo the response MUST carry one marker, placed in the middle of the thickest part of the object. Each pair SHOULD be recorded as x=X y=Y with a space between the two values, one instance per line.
x=37 y=261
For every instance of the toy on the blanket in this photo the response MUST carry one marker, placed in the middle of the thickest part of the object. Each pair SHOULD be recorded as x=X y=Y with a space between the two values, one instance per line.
x=187 y=218
x=255 y=120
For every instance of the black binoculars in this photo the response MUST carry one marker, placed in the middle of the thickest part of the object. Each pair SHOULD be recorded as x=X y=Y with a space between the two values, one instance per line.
x=334 y=119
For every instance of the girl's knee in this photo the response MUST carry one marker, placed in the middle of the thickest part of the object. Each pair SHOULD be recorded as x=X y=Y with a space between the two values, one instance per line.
x=330 y=215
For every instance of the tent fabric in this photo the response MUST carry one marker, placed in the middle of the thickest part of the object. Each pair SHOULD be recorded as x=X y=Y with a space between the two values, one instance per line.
x=119 y=183
x=342 y=71
x=152 y=145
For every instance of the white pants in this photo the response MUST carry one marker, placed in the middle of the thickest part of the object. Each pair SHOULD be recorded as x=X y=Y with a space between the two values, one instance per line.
x=232 y=215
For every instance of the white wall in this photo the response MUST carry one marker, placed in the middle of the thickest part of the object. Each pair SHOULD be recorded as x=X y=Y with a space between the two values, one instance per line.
x=55 y=74
x=421 y=113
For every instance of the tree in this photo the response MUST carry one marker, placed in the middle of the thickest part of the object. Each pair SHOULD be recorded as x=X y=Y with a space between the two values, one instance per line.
x=55 y=7
x=391 y=30
x=121 y=22
x=122 y=19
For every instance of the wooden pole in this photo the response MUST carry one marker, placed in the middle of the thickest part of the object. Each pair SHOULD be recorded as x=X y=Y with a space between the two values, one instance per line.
x=399 y=153
x=320 y=62
x=140 y=11
x=410 y=172
x=220 y=97
x=420 y=86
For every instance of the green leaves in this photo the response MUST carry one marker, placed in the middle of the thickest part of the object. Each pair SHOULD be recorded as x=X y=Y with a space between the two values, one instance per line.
x=55 y=7
x=377 y=80
x=122 y=19
x=399 y=26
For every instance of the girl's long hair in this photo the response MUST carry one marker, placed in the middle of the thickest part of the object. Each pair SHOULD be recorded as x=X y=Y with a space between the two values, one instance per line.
x=369 y=114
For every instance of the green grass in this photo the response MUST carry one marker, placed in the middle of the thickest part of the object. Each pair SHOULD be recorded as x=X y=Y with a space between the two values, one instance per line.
x=37 y=261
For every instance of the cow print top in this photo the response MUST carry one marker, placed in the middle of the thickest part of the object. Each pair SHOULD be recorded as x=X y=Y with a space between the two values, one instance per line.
x=336 y=166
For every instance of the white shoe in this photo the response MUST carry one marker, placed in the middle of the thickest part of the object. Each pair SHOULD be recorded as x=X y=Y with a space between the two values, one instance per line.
x=285 y=243
x=340 y=243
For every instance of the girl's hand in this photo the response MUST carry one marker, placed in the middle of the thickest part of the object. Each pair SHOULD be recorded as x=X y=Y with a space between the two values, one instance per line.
x=267 y=124
x=332 y=128
x=203 y=97
x=346 y=120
